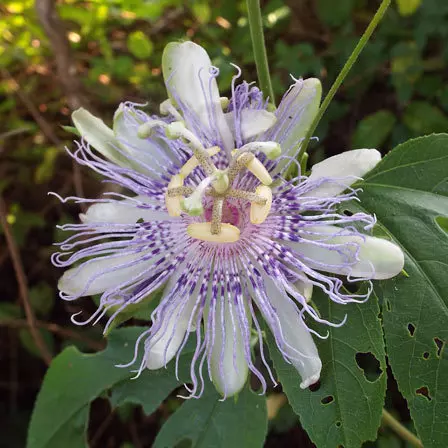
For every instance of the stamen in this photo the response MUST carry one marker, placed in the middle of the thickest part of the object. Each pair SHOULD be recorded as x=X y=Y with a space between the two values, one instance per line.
x=176 y=130
x=258 y=170
x=239 y=164
x=167 y=107
x=259 y=213
x=271 y=149
x=202 y=231
x=217 y=215
x=173 y=204
x=179 y=191
x=193 y=162
x=246 y=195
x=145 y=130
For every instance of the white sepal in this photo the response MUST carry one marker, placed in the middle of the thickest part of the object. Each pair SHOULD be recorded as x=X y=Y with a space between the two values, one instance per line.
x=345 y=169
x=97 y=135
x=354 y=255
x=253 y=122
x=186 y=69
x=97 y=275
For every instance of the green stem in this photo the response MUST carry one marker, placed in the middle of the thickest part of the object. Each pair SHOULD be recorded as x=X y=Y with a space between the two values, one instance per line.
x=344 y=72
x=403 y=432
x=259 y=49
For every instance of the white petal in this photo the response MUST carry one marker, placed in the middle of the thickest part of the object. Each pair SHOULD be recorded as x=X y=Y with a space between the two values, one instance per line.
x=75 y=280
x=228 y=352
x=169 y=337
x=377 y=257
x=97 y=134
x=253 y=122
x=345 y=168
x=300 y=345
x=121 y=212
x=144 y=150
x=295 y=114
x=186 y=69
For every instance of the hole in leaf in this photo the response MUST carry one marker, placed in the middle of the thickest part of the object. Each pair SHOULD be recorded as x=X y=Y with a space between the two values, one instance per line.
x=327 y=400
x=442 y=222
x=411 y=329
x=338 y=424
x=425 y=392
x=425 y=355
x=347 y=213
x=388 y=306
x=439 y=345
x=352 y=287
x=370 y=366
x=315 y=387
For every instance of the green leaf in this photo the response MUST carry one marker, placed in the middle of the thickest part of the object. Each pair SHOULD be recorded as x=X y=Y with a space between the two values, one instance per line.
x=42 y=298
x=408 y=192
x=208 y=422
x=201 y=11
x=139 y=45
x=373 y=130
x=72 y=130
x=406 y=68
x=153 y=386
x=423 y=118
x=73 y=380
x=346 y=408
x=335 y=13
x=28 y=342
x=9 y=311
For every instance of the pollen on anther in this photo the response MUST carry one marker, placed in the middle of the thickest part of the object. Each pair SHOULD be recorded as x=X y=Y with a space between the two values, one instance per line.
x=203 y=231
x=259 y=171
x=193 y=162
x=259 y=212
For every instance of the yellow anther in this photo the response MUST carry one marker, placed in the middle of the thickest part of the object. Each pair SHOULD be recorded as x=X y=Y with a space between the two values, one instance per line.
x=224 y=102
x=193 y=162
x=259 y=171
x=258 y=212
x=203 y=231
x=173 y=205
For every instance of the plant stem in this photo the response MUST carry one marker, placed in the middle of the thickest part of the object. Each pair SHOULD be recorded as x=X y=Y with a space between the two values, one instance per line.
x=344 y=72
x=403 y=432
x=259 y=49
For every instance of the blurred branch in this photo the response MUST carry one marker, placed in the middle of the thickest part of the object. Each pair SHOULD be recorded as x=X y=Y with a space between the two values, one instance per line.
x=23 y=286
x=67 y=73
x=166 y=21
x=47 y=130
x=56 y=329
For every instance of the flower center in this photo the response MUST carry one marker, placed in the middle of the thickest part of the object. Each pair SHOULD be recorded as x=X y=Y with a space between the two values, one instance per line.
x=217 y=185
x=230 y=213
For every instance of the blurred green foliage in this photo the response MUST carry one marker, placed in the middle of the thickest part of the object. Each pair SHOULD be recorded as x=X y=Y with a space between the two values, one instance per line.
x=397 y=90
